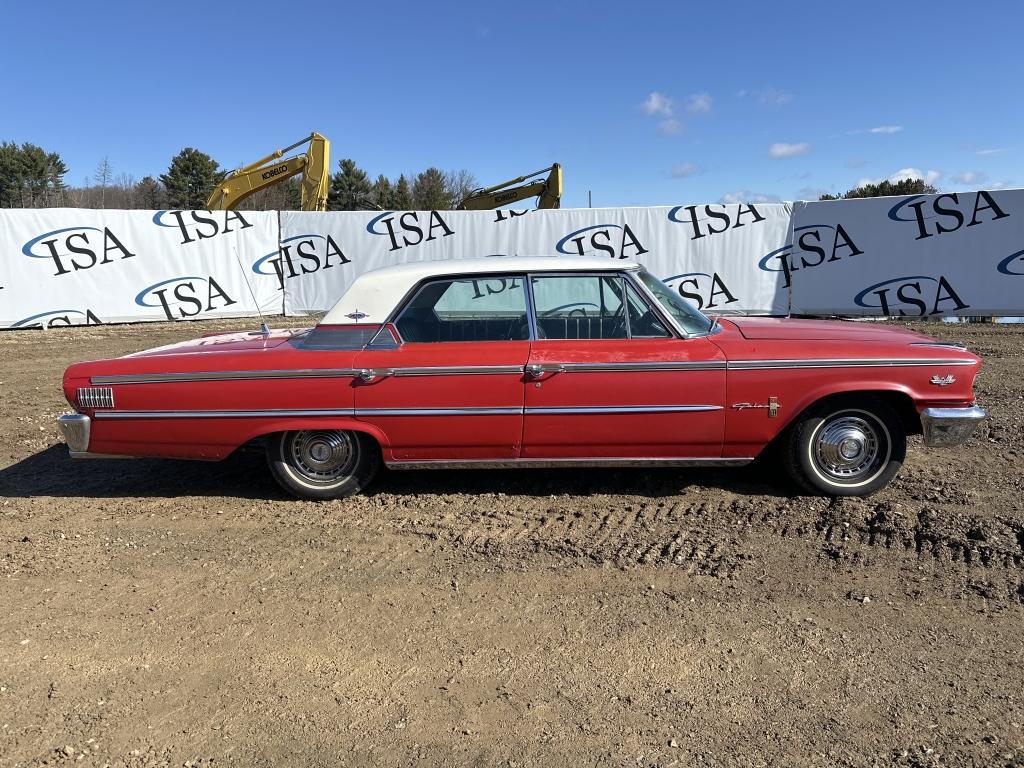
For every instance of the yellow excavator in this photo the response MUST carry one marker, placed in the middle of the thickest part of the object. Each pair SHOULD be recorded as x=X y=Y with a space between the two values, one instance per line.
x=548 y=191
x=313 y=164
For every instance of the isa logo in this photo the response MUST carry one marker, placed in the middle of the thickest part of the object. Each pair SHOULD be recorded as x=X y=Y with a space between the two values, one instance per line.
x=407 y=229
x=186 y=296
x=72 y=249
x=942 y=214
x=194 y=226
x=913 y=295
x=301 y=255
x=616 y=241
x=59 y=318
x=706 y=290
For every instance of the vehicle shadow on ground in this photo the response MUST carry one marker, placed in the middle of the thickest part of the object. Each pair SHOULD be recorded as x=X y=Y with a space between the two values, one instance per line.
x=51 y=472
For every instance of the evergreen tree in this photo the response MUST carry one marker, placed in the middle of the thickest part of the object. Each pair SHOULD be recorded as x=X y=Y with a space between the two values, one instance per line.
x=30 y=177
x=401 y=197
x=383 y=192
x=350 y=188
x=190 y=179
x=429 y=191
x=150 y=194
x=886 y=188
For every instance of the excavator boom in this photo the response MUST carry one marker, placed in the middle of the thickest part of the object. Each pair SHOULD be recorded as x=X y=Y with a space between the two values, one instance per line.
x=547 y=191
x=314 y=166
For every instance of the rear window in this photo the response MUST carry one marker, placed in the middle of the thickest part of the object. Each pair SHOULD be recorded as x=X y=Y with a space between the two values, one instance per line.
x=466 y=309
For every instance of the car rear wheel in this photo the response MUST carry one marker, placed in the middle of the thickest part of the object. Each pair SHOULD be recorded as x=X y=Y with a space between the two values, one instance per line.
x=846 y=448
x=322 y=464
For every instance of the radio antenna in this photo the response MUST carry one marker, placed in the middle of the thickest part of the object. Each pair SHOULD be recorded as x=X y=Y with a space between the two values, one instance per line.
x=264 y=328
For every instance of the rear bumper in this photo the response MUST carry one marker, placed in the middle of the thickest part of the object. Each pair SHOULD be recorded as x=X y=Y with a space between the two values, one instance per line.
x=75 y=429
x=946 y=427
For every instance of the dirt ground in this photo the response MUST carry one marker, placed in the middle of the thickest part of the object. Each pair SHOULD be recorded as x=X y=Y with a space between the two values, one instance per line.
x=159 y=613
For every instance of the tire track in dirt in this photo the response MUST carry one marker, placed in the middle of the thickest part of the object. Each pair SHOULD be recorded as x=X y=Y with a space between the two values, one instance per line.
x=717 y=538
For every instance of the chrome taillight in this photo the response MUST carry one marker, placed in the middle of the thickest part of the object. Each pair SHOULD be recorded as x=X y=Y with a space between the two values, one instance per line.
x=95 y=397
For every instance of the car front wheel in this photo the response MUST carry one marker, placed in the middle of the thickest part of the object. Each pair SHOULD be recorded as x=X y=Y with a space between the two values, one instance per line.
x=322 y=464
x=846 y=448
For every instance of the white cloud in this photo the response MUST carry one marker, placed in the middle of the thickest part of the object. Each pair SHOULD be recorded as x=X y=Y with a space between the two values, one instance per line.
x=669 y=127
x=969 y=178
x=903 y=174
x=994 y=151
x=684 y=170
x=699 y=103
x=746 y=196
x=782 y=149
x=879 y=129
x=768 y=97
x=658 y=104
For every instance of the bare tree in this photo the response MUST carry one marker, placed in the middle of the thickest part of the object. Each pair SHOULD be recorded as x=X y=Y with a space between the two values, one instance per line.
x=102 y=177
x=458 y=184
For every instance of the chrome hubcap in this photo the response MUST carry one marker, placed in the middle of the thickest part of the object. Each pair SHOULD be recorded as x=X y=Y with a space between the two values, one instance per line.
x=323 y=456
x=848 y=447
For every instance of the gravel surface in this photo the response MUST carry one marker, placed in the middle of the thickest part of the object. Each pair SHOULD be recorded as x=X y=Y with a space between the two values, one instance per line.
x=162 y=613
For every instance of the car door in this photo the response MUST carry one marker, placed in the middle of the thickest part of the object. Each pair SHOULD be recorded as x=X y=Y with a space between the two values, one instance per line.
x=452 y=388
x=608 y=378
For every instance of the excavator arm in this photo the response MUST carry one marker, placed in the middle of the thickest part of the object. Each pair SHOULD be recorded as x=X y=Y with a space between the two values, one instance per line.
x=314 y=165
x=548 y=192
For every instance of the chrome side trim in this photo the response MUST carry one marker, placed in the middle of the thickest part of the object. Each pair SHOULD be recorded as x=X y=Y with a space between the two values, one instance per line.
x=947 y=427
x=549 y=463
x=457 y=370
x=220 y=414
x=949 y=344
x=656 y=365
x=166 y=378
x=559 y=411
x=880 y=362
x=510 y=411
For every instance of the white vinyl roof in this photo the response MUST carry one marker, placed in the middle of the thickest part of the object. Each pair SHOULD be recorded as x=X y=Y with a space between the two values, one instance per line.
x=374 y=294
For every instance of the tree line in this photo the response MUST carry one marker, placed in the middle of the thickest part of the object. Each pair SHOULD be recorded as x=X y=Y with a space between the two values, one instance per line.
x=31 y=177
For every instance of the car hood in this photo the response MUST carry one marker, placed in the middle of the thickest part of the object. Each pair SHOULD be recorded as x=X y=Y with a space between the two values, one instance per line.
x=233 y=341
x=825 y=330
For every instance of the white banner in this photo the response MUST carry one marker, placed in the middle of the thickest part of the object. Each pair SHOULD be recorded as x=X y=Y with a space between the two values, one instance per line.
x=709 y=253
x=947 y=254
x=80 y=267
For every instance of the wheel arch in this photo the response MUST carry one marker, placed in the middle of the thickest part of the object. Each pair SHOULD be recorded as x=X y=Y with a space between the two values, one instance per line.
x=265 y=429
x=899 y=399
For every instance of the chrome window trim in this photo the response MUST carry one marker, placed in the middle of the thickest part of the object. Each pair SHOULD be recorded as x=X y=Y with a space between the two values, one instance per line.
x=880 y=362
x=411 y=294
x=599 y=461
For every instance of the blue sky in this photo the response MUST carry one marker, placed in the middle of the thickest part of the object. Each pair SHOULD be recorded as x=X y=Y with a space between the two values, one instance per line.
x=643 y=103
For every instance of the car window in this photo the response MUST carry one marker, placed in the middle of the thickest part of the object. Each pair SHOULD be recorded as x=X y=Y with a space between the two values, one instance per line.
x=689 y=318
x=643 y=322
x=487 y=309
x=579 y=306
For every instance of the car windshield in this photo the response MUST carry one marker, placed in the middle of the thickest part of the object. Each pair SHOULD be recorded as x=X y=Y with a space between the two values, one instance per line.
x=688 y=317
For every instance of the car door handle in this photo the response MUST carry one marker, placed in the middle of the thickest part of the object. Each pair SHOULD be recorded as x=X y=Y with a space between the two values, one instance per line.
x=535 y=371
x=366 y=375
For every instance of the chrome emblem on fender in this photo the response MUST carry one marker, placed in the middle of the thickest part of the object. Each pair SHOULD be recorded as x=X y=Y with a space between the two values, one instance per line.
x=357 y=315
x=943 y=381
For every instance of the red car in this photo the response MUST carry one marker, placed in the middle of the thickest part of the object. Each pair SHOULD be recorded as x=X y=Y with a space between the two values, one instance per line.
x=526 y=362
